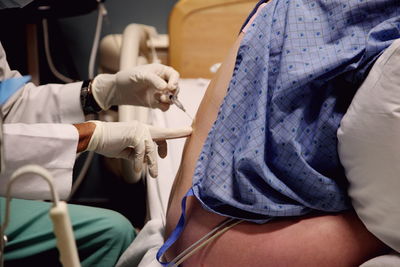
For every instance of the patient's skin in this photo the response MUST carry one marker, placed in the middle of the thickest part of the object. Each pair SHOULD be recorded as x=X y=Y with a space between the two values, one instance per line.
x=324 y=240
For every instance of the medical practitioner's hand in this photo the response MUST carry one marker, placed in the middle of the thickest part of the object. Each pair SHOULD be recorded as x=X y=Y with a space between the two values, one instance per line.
x=144 y=85
x=133 y=141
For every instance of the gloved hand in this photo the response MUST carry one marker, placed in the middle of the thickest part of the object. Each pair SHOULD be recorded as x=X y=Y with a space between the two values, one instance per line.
x=144 y=85
x=133 y=140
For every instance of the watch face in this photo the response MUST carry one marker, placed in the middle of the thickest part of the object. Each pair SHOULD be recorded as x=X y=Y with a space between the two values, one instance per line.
x=88 y=103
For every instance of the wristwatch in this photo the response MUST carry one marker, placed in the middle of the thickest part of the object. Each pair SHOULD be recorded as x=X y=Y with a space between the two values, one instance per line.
x=89 y=104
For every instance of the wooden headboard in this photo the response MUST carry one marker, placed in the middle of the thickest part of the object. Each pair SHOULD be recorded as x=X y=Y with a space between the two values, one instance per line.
x=202 y=31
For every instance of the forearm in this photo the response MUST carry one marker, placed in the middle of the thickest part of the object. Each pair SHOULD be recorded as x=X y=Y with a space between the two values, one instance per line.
x=85 y=131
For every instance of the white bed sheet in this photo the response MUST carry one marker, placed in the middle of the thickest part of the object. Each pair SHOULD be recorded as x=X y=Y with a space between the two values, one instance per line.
x=142 y=251
x=191 y=94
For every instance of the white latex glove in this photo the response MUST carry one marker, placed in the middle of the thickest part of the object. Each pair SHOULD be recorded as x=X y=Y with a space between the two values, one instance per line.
x=133 y=140
x=145 y=85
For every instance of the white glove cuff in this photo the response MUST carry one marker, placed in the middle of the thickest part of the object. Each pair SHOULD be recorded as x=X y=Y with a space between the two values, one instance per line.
x=103 y=89
x=95 y=139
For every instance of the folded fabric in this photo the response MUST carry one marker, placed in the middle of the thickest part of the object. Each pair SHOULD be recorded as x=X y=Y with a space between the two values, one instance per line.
x=369 y=148
x=273 y=149
x=142 y=252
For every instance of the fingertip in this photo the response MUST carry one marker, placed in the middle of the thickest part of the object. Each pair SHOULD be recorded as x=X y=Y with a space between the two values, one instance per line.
x=163 y=106
x=173 y=84
x=162 y=148
x=151 y=158
x=187 y=131
x=153 y=172
x=163 y=98
x=173 y=77
x=152 y=166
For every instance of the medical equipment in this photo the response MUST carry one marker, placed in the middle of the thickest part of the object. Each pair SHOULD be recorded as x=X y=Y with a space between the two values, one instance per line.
x=174 y=99
x=206 y=239
x=58 y=214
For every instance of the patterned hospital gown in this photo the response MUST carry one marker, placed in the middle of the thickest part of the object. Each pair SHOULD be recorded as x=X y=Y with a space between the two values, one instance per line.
x=273 y=149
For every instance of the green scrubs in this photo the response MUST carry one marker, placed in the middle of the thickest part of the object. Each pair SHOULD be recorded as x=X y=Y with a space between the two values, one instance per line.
x=101 y=235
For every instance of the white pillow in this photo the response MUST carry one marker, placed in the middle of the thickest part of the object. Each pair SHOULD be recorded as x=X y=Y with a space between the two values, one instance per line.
x=369 y=148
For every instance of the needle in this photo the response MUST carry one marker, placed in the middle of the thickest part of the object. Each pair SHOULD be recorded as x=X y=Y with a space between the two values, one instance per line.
x=174 y=99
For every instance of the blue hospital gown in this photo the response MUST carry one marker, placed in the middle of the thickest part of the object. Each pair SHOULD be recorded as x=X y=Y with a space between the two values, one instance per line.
x=273 y=149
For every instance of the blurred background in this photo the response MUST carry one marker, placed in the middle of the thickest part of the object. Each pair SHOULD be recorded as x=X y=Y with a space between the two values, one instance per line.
x=72 y=28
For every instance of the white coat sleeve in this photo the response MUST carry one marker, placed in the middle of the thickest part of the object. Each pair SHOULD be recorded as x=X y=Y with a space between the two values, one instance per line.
x=51 y=144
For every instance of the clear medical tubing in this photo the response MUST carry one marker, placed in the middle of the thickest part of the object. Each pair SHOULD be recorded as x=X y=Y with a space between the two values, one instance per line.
x=209 y=237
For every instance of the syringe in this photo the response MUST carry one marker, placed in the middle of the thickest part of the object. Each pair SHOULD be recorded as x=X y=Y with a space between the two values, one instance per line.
x=174 y=99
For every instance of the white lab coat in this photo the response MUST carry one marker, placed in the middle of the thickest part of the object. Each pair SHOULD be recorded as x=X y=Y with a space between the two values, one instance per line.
x=38 y=130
